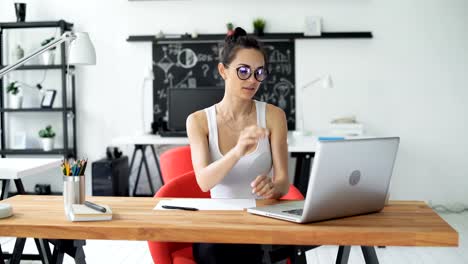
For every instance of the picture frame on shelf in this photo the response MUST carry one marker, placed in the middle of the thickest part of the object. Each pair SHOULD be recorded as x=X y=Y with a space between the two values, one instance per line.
x=19 y=140
x=48 y=98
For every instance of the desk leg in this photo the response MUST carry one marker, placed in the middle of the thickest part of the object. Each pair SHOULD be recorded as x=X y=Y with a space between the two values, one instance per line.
x=302 y=172
x=158 y=166
x=343 y=254
x=143 y=161
x=133 y=159
x=148 y=175
x=19 y=186
x=17 y=251
x=74 y=248
x=370 y=256
x=5 y=189
x=43 y=249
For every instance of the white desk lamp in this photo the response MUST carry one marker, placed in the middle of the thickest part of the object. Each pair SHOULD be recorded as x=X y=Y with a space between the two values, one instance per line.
x=325 y=82
x=81 y=51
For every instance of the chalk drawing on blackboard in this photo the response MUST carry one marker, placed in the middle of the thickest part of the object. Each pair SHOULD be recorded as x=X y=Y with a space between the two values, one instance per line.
x=157 y=109
x=278 y=57
x=282 y=89
x=170 y=77
x=174 y=48
x=205 y=68
x=192 y=82
x=271 y=79
x=161 y=94
x=292 y=103
x=182 y=83
x=204 y=57
x=187 y=58
x=165 y=63
x=217 y=50
x=268 y=98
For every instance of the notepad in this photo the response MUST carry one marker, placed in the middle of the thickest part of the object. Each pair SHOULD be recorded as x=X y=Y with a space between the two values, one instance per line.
x=80 y=212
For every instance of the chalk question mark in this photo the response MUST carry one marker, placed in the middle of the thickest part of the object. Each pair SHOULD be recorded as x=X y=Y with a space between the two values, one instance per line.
x=205 y=68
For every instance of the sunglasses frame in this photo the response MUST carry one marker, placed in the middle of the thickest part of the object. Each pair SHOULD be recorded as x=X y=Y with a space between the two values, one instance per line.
x=254 y=72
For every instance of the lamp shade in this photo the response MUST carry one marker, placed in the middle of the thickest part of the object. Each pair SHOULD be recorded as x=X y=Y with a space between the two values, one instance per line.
x=81 y=50
x=327 y=82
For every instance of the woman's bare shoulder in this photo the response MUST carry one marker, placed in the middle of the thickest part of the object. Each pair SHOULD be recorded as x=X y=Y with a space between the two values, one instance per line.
x=274 y=113
x=198 y=121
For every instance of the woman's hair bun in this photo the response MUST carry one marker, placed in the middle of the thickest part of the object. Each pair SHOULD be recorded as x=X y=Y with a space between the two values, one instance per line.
x=239 y=32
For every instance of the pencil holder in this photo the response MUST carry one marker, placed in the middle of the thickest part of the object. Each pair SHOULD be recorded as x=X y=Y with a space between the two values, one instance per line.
x=73 y=192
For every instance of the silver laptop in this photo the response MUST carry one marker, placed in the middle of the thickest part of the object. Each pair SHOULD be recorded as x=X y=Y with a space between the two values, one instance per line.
x=348 y=177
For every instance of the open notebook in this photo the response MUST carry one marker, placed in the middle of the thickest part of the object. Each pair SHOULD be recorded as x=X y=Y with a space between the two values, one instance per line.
x=80 y=212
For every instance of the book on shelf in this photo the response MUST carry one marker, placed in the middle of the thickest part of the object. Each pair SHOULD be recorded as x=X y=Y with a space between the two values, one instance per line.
x=81 y=212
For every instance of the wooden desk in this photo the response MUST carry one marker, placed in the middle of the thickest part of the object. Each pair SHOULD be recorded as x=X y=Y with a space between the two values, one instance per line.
x=399 y=224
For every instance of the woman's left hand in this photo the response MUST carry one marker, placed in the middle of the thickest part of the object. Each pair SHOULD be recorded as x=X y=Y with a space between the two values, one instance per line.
x=264 y=187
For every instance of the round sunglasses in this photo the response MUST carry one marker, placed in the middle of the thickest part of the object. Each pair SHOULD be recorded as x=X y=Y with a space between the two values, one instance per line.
x=244 y=72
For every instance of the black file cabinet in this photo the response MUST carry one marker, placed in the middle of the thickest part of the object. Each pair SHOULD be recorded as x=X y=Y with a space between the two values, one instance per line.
x=110 y=177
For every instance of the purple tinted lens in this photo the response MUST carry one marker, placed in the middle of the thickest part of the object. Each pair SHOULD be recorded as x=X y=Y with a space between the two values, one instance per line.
x=260 y=74
x=243 y=72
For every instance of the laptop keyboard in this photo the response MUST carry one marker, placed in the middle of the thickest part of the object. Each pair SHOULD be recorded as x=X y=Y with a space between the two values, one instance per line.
x=294 y=211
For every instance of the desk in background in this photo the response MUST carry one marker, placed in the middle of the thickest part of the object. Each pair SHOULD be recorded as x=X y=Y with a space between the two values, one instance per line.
x=400 y=223
x=17 y=168
x=301 y=147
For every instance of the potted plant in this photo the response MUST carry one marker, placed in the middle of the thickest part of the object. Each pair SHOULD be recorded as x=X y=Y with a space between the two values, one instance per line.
x=16 y=98
x=49 y=55
x=230 y=28
x=259 y=26
x=47 y=135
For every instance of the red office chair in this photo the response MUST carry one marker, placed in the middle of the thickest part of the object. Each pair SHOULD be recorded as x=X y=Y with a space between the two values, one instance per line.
x=186 y=186
x=175 y=162
x=293 y=194
x=183 y=186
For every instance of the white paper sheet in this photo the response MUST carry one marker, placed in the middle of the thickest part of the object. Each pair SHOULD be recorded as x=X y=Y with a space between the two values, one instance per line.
x=208 y=204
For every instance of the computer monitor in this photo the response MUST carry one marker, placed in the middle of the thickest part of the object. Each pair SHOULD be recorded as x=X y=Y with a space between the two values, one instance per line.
x=181 y=102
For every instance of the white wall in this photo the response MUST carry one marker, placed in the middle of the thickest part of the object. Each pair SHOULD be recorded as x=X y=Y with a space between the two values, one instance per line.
x=409 y=80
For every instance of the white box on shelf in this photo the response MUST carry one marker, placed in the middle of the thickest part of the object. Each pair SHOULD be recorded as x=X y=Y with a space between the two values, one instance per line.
x=313 y=26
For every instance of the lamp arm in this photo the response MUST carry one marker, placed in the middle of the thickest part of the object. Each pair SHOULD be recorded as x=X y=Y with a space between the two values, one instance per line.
x=67 y=36
x=311 y=82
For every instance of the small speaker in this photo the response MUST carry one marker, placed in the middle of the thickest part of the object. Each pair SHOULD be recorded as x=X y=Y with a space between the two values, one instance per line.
x=110 y=177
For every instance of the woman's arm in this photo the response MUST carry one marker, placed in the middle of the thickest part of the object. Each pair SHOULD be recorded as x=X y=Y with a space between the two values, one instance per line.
x=278 y=186
x=208 y=175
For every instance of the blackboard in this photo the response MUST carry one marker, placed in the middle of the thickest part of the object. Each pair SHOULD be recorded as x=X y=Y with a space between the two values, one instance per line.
x=192 y=64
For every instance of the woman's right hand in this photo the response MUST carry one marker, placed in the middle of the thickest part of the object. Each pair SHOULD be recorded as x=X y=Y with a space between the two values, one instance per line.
x=249 y=137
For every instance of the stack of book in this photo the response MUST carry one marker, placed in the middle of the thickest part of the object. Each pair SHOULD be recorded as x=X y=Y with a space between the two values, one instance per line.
x=81 y=212
x=347 y=129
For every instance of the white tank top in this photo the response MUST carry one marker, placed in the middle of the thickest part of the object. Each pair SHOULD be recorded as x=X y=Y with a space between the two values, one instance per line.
x=236 y=184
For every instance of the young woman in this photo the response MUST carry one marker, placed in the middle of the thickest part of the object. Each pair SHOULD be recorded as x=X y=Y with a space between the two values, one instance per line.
x=236 y=142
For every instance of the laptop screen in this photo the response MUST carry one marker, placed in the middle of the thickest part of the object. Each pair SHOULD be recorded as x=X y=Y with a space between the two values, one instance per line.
x=181 y=102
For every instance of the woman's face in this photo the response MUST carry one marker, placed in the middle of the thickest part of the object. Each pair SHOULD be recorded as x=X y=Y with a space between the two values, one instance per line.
x=245 y=58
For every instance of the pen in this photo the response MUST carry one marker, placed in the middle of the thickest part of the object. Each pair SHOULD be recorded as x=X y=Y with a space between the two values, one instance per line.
x=95 y=206
x=179 y=207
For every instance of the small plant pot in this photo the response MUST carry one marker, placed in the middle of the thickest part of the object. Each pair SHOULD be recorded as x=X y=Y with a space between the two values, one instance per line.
x=259 y=31
x=16 y=101
x=48 y=57
x=47 y=144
